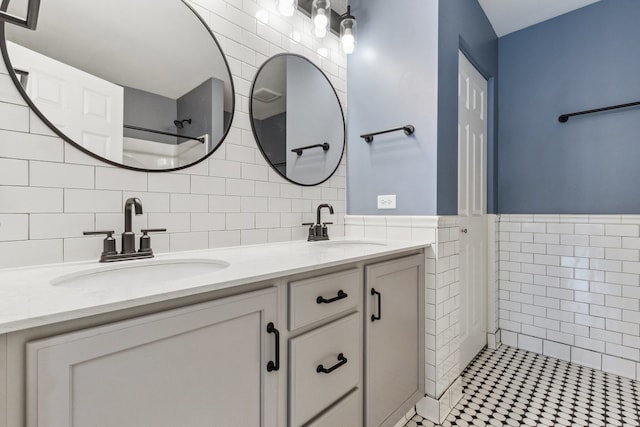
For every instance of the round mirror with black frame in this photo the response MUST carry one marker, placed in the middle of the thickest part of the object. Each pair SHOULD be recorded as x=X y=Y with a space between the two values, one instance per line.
x=297 y=119
x=141 y=84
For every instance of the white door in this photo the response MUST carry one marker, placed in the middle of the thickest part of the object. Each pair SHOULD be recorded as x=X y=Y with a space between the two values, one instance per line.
x=472 y=208
x=88 y=109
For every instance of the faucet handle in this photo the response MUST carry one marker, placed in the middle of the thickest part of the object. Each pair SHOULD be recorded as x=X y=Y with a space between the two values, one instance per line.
x=145 y=240
x=108 y=244
x=310 y=224
x=327 y=223
x=109 y=233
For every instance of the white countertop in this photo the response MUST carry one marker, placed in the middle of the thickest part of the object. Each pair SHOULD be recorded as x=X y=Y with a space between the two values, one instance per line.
x=28 y=299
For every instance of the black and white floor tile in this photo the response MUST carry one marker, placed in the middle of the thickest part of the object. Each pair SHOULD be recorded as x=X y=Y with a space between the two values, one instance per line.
x=511 y=387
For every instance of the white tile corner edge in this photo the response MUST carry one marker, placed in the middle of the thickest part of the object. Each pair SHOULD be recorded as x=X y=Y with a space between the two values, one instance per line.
x=494 y=340
x=437 y=410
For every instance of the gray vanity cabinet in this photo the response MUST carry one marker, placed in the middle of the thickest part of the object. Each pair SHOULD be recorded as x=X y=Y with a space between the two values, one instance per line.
x=201 y=365
x=394 y=339
x=325 y=350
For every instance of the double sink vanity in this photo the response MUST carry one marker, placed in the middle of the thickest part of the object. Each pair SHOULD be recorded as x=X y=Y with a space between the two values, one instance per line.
x=319 y=333
x=327 y=333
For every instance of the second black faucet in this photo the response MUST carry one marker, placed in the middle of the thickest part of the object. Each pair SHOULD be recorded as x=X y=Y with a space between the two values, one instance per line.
x=319 y=231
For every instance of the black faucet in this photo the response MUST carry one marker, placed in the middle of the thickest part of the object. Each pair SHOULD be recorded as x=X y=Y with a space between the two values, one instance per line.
x=129 y=237
x=319 y=231
x=109 y=253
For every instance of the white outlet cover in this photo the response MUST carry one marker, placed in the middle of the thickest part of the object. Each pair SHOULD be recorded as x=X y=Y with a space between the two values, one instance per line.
x=387 y=201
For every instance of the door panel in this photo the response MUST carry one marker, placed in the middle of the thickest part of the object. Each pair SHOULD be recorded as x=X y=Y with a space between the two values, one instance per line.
x=201 y=365
x=394 y=371
x=472 y=207
x=88 y=109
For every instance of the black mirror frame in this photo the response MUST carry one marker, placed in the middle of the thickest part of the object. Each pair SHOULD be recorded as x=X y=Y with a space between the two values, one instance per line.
x=253 y=128
x=16 y=81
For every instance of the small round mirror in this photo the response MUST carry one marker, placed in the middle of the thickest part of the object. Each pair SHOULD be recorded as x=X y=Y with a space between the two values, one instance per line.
x=141 y=84
x=297 y=119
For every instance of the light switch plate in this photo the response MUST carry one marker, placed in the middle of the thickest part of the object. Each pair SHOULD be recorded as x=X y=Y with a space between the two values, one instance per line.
x=387 y=201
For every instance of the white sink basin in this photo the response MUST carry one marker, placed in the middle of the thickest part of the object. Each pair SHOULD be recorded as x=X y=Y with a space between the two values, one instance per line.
x=132 y=273
x=347 y=243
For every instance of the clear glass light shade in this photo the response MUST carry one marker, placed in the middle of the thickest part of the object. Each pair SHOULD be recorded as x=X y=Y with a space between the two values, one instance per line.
x=287 y=7
x=321 y=17
x=348 y=35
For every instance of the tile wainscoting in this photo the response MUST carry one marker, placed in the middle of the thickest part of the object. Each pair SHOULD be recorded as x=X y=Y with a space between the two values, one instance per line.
x=570 y=288
x=50 y=192
x=442 y=370
x=564 y=286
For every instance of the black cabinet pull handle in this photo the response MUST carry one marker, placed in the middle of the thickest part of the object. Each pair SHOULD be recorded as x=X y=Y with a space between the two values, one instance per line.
x=274 y=366
x=379 y=316
x=341 y=361
x=341 y=295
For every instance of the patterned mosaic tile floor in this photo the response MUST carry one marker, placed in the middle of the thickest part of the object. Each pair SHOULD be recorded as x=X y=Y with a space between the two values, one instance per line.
x=511 y=387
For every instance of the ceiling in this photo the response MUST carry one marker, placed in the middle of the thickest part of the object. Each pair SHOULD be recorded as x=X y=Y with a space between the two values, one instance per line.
x=507 y=16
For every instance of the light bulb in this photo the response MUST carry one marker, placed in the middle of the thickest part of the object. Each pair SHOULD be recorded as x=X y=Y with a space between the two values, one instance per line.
x=348 y=43
x=348 y=32
x=286 y=7
x=321 y=21
x=320 y=32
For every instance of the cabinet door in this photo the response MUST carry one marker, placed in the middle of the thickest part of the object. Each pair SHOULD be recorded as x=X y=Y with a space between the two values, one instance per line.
x=202 y=365
x=394 y=339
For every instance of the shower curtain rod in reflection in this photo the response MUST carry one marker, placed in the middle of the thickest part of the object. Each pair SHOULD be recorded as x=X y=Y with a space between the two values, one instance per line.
x=162 y=133
x=565 y=117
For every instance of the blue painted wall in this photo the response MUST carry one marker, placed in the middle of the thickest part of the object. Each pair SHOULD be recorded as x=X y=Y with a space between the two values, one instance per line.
x=405 y=71
x=586 y=59
x=463 y=26
x=393 y=82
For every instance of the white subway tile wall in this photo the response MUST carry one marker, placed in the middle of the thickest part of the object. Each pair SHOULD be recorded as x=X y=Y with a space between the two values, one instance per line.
x=570 y=288
x=442 y=286
x=50 y=192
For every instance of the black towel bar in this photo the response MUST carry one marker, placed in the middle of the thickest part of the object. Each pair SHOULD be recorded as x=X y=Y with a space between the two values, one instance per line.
x=408 y=130
x=325 y=146
x=565 y=117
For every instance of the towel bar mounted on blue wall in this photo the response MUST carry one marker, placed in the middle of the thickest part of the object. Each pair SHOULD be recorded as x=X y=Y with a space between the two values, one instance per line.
x=408 y=130
x=565 y=117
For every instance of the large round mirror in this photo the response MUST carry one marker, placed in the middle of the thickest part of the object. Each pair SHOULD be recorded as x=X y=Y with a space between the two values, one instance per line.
x=297 y=119
x=137 y=83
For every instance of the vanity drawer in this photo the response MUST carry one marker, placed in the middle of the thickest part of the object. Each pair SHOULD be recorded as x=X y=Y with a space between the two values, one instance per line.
x=319 y=297
x=347 y=412
x=311 y=391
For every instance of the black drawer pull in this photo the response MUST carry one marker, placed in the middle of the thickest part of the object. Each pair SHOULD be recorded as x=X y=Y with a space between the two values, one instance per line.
x=341 y=295
x=274 y=366
x=379 y=316
x=342 y=361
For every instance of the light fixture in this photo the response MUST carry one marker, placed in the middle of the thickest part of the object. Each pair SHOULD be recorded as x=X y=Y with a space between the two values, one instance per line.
x=321 y=17
x=348 y=32
x=287 y=7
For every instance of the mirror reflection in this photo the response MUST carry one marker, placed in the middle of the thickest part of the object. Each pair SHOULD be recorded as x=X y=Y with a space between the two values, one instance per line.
x=138 y=83
x=297 y=119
